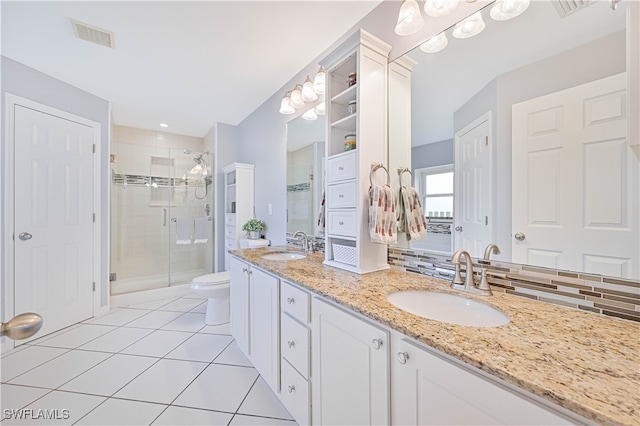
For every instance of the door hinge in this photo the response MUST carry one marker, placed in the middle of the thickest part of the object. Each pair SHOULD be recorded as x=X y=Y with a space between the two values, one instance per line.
x=486 y=220
x=486 y=141
x=94 y=148
x=94 y=218
x=94 y=286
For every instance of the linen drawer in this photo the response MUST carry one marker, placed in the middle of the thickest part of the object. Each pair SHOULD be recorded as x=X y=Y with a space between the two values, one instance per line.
x=342 y=223
x=295 y=302
x=230 y=219
x=294 y=394
x=230 y=231
x=342 y=195
x=341 y=167
x=295 y=343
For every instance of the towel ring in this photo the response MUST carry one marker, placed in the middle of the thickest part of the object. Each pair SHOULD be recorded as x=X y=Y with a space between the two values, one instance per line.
x=374 y=168
x=401 y=171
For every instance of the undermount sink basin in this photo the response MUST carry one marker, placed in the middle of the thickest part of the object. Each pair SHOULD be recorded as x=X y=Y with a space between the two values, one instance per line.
x=284 y=256
x=448 y=308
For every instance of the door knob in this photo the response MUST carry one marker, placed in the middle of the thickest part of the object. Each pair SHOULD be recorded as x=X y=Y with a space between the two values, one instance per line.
x=24 y=236
x=519 y=236
x=21 y=326
x=458 y=228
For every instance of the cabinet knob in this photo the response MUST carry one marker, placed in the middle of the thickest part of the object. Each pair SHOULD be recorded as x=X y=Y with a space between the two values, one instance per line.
x=340 y=223
x=245 y=270
x=291 y=388
x=340 y=196
x=249 y=271
x=340 y=168
x=377 y=343
x=458 y=228
x=291 y=343
x=402 y=357
x=291 y=300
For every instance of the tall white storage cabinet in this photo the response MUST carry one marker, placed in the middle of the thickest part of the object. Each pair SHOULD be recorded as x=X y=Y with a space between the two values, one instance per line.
x=362 y=58
x=238 y=204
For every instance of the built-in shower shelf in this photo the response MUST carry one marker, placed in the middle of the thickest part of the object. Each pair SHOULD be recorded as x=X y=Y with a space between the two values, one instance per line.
x=154 y=181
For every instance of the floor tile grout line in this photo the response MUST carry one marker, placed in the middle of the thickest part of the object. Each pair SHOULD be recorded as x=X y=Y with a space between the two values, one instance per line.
x=248 y=392
x=43 y=363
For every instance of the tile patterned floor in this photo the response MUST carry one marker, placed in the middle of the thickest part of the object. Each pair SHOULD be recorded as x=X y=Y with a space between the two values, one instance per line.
x=152 y=363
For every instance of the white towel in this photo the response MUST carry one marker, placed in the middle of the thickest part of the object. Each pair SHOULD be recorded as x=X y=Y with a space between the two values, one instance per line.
x=184 y=230
x=382 y=215
x=411 y=218
x=321 y=214
x=201 y=233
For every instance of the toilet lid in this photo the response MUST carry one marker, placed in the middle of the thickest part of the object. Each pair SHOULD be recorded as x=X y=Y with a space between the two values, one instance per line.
x=215 y=278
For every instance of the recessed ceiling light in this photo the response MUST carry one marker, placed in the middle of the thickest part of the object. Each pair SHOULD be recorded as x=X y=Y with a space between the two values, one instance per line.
x=164 y=125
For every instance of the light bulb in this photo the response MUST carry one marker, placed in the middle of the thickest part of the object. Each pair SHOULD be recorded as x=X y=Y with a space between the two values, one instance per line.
x=409 y=18
x=319 y=81
x=296 y=97
x=508 y=9
x=308 y=94
x=321 y=109
x=469 y=27
x=437 y=8
x=435 y=44
x=310 y=115
x=285 y=105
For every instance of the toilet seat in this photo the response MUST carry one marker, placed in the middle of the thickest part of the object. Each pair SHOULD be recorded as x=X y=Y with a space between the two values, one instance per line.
x=214 y=279
x=216 y=288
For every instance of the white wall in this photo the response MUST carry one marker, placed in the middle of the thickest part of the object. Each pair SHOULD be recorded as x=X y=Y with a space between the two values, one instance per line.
x=29 y=83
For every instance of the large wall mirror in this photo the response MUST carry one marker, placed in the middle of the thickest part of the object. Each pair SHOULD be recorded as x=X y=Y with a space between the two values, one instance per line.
x=519 y=138
x=305 y=171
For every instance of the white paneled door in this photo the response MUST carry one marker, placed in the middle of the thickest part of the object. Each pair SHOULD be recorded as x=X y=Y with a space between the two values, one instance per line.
x=53 y=218
x=472 y=187
x=576 y=203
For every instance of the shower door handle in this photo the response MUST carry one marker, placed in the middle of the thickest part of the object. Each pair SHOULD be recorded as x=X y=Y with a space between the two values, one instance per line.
x=164 y=217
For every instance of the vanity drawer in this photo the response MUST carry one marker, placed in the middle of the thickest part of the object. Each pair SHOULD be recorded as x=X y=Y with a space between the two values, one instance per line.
x=295 y=302
x=342 y=195
x=230 y=231
x=230 y=244
x=294 y=344
x=341 y=168
x=230 y=219
x=342 y=223
x=294 y=393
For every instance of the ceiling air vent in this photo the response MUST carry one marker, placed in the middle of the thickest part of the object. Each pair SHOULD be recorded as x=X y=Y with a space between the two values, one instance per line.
x=93 y=34
x=567 y=7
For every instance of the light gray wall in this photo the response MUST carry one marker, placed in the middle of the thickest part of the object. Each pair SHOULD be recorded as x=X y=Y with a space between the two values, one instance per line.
x=432 y=154
x=571 y=68
x=29 y=83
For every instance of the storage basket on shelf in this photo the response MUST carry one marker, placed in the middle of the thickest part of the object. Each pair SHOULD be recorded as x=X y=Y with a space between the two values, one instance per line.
x=345 y=253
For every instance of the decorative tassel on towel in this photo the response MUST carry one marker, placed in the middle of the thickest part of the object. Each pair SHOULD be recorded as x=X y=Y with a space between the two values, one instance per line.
x=411 y=218
x=382 y=215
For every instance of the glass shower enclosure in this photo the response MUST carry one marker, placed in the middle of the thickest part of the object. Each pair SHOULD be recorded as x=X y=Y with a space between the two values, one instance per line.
x=151 y=196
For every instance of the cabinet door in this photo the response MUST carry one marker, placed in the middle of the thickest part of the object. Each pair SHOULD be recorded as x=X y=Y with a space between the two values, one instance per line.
x=350 y=378
x=239 y=294
x=264 y=326
x=428 y=390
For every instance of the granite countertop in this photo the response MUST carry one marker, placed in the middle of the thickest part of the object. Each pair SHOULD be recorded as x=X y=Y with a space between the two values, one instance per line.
x=584 y=362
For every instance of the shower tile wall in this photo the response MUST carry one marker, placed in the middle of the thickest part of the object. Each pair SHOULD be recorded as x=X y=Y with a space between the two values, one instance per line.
x=140 y=244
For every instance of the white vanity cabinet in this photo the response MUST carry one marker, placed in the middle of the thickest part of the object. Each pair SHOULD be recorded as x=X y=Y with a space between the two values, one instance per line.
x=356 y=73
x=295 y=350
x=349 y=368
x=255 y=318
x=427 y=389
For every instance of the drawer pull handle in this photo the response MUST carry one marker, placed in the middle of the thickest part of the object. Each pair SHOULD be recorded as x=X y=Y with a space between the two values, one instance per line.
x=341 y=223
x=340 y=168
x=291 y=344
x=245 y=270
x=402 y=357
x=340 y=196
x=291 y=388
x=377 y=343
x=291 y=300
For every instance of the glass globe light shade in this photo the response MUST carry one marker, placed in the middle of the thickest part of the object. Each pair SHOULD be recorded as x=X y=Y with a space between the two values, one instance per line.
x=296 y=97
x=469 y=27
x=308 y=94
x=508 y=9
x=285 y=105
x=319 y=81
x=310 y=115
x=435 y=44
x=409 y=18
x=321 y=109
x=437 y=8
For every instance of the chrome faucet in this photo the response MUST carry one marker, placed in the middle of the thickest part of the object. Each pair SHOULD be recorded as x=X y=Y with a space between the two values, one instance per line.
x=483 y=286
x=307 y=244
x=468 y=284
x=491 y=248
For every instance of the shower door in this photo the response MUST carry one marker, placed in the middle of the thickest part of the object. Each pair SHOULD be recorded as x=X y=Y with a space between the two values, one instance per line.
x=152 y=190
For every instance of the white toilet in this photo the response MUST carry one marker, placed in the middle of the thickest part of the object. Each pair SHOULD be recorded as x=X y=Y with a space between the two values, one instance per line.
x=214 y=287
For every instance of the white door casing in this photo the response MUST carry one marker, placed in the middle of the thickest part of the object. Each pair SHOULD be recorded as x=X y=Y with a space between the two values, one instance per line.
x=472 y=187
x=577 y=179
x=51 y=180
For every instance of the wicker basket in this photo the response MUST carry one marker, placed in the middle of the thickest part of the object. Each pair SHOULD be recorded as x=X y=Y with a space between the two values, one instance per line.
x=345 y=254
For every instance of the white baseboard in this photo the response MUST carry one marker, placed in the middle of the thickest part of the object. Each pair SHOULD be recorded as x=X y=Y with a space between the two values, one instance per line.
x=127 y=299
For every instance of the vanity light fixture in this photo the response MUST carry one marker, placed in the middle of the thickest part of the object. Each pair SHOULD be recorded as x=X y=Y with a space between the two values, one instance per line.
x=308 y=94
x=285 y=105
x=164 y=125
x=508 y=9
x=321 y=108
x=435 y=44
x=296 y=97
x=319 y=82
x=469 y=27
x=437 y=8
x=310 y=115
x=409 y=18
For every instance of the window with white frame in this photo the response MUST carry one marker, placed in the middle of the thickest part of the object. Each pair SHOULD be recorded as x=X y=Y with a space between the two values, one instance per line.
x=435 y=185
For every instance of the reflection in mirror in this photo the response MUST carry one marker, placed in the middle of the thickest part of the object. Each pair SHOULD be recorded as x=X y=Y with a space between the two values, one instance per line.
x=530 y=115
x=305 y=171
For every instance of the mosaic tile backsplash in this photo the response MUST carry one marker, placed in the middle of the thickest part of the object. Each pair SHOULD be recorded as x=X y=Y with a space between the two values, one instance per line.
x=601 y=295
